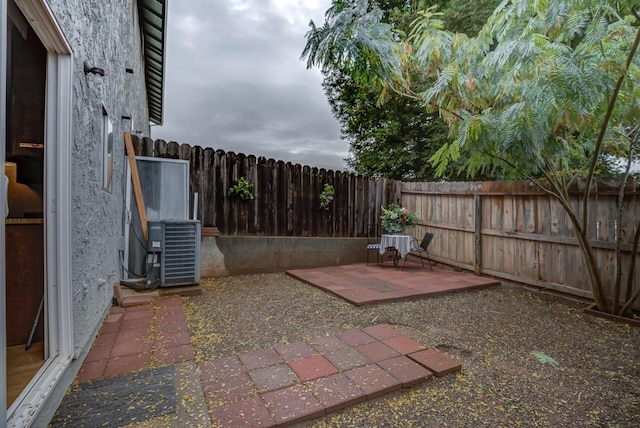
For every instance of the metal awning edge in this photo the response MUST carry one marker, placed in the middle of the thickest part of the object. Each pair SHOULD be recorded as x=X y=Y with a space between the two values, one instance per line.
x=151 y=12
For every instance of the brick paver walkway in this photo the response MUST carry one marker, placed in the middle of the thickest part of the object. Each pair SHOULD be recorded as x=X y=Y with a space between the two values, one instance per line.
x=281 y=385
x=139 y=337
x=295 y=382
x=362 y=284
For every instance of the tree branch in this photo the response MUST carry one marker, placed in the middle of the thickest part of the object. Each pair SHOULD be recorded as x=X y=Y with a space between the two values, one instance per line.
x=605 y=124
x=618 y=239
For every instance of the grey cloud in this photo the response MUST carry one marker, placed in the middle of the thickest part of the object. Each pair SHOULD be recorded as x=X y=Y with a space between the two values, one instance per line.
x=234 y=82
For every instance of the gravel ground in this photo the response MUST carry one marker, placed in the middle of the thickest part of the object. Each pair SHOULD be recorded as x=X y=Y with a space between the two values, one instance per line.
x=500 y=334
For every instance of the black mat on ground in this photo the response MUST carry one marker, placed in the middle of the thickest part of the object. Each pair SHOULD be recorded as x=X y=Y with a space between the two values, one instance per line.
x=119 y=400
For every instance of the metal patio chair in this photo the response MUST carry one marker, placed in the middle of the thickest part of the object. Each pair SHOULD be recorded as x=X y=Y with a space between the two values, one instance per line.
x=421 y=247
x=373 y=246
x=373 y=242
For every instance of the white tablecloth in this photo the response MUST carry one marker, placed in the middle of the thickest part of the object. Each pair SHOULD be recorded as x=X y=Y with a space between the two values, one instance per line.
x=402 y=243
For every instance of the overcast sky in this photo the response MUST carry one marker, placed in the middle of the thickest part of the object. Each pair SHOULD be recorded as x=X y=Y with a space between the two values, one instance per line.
x=234 y=81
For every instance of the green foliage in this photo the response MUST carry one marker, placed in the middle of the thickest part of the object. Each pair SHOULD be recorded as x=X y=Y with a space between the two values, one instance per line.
x=389 y=135
x=544 y=358
x=243 y=189
x=529 y=92
x=363 y=48
x=463 y=16
x=392 y=140
x=326 y=196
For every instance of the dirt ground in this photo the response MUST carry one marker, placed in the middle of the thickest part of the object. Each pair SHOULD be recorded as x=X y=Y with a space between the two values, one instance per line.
x=530 y=358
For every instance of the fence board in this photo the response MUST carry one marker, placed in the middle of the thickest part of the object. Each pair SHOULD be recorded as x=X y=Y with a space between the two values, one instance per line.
x=208 y=192
x=261 y=196
x=271 y=196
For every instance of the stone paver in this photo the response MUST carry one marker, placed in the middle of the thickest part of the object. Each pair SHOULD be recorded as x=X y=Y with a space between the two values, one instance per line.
x=261 y=358
x=373 y=380
x=327 y=344
x=377 y=351
x=355 y=337
x=336 y=392
x=313 y=367
x=250 y=412
x=347 y=359
x=270 y=378
x=295 y=351
x=436 y=362
x=405 y=370
x=220 y=367
x=219 y=391
x=403 y=344
x=291 y=404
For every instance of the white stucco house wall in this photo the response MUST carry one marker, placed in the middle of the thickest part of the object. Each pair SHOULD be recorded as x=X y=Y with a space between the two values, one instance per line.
x=74 y=76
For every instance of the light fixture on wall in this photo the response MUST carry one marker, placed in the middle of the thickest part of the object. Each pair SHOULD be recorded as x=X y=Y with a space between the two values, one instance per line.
x=93 y=70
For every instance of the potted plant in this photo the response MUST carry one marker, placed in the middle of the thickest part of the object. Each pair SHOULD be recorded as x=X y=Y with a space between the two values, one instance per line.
x=242 y=189
x=326 y=197
x=396 y=218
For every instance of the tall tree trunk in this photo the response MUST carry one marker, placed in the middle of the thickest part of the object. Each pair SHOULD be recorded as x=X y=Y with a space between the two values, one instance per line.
x=560 y=192
x=618 y=254
x=589 y=258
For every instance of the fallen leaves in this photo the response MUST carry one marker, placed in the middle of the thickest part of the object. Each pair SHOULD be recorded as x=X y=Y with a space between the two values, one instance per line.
x=500 y=385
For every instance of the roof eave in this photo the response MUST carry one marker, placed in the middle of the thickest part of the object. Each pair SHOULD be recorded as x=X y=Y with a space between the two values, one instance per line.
x=153 y=23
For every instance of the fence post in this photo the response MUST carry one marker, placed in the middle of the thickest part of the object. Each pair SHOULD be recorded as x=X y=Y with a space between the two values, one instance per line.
x=477 y=208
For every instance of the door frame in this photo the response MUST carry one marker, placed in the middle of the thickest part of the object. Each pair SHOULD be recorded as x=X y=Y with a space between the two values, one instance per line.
x=3 y=198
x=57 y=211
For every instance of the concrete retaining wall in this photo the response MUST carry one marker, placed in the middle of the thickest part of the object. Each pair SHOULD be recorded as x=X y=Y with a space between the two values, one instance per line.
x=234 y=255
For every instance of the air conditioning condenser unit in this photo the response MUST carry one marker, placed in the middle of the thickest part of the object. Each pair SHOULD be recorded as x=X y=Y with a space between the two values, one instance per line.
x=173 y=252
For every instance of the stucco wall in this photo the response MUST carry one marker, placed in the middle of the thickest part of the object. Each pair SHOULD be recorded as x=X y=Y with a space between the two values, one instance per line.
x=106 y=34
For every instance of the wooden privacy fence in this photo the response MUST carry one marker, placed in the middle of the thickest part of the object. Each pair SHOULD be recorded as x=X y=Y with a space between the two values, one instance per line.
x=516 y=232
x=286 y=196
x=508 y=230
